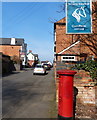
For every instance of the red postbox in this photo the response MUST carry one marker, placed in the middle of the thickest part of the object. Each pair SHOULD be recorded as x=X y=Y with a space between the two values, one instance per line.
x=65 y=95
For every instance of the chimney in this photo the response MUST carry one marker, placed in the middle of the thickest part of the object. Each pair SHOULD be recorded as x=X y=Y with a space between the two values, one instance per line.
x=30 y=51
x=12 y=41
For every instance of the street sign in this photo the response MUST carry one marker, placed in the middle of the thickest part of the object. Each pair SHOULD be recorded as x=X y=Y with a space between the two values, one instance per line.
x=78 y=17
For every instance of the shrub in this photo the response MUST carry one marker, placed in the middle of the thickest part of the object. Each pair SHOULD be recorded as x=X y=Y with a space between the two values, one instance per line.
x=15 y=59
x=90 y=66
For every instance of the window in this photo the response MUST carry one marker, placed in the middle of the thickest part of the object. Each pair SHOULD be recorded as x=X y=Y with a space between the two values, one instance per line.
x=68 y=58
x=39 y=66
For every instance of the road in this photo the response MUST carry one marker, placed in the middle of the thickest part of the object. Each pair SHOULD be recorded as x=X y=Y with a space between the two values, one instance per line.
x=26 y=95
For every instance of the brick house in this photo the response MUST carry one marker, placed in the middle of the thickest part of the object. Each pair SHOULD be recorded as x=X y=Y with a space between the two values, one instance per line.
x=67 y=47
x=14 y=47
x=70 y=49
x=32 y=59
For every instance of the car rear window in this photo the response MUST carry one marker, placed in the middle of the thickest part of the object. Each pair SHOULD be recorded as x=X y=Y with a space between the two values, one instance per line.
x=46 y=64
x=39 y=66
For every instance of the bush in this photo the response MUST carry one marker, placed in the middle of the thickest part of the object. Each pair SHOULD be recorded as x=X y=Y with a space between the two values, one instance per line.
x=90 y=66
x=15 y=59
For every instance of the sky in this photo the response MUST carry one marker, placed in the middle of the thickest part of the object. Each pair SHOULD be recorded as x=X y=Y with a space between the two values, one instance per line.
x=33 y=21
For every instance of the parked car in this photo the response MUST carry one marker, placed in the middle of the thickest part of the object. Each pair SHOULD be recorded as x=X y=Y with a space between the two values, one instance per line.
x=47 y=66
x=39 y=69
x=47 y=62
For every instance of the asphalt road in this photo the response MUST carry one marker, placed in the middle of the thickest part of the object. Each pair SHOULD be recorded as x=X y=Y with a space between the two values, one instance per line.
x=26 y=95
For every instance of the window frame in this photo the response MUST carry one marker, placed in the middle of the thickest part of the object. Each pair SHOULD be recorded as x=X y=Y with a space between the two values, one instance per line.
x=68 y=58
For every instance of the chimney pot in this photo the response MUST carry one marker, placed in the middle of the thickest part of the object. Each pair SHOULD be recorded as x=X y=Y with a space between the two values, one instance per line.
x=30 y=51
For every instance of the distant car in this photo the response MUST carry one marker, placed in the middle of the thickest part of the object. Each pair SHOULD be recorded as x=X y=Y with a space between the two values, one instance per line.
x=39 y=69
x=47 y=66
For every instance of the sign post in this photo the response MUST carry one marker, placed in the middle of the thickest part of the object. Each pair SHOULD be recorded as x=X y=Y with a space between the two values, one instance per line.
x=78 y=17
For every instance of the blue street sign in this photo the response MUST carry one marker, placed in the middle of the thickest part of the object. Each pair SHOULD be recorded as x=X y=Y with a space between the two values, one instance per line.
x=78 y=17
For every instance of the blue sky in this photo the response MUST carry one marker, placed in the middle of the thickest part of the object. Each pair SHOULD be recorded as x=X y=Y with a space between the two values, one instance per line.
x=32 y=21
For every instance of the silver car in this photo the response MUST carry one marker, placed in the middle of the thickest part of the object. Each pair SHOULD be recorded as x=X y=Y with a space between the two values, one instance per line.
x=39 y=69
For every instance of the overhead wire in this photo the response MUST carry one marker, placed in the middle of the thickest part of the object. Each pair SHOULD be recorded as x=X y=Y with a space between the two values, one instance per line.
x=23 y=15
x=29 y=14
x=20 y=13
x=12 y=19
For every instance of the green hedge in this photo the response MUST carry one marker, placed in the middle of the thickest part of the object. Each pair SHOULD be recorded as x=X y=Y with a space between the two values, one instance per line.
x=90 y=66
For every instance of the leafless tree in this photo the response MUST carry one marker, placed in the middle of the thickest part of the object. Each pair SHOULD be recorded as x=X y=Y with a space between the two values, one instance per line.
x=90 y=40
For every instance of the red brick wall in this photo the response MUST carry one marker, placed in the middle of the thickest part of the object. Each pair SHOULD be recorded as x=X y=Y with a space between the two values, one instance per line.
x=86 y=102
x=10 y=50
x=86 y=99
x=64 y=40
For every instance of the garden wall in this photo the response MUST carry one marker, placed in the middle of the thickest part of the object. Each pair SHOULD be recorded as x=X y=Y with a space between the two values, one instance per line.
x=86 y=106
x=86 y=99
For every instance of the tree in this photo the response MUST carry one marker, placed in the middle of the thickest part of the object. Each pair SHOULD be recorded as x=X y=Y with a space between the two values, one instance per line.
x=90 y=40
x=15 y=59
